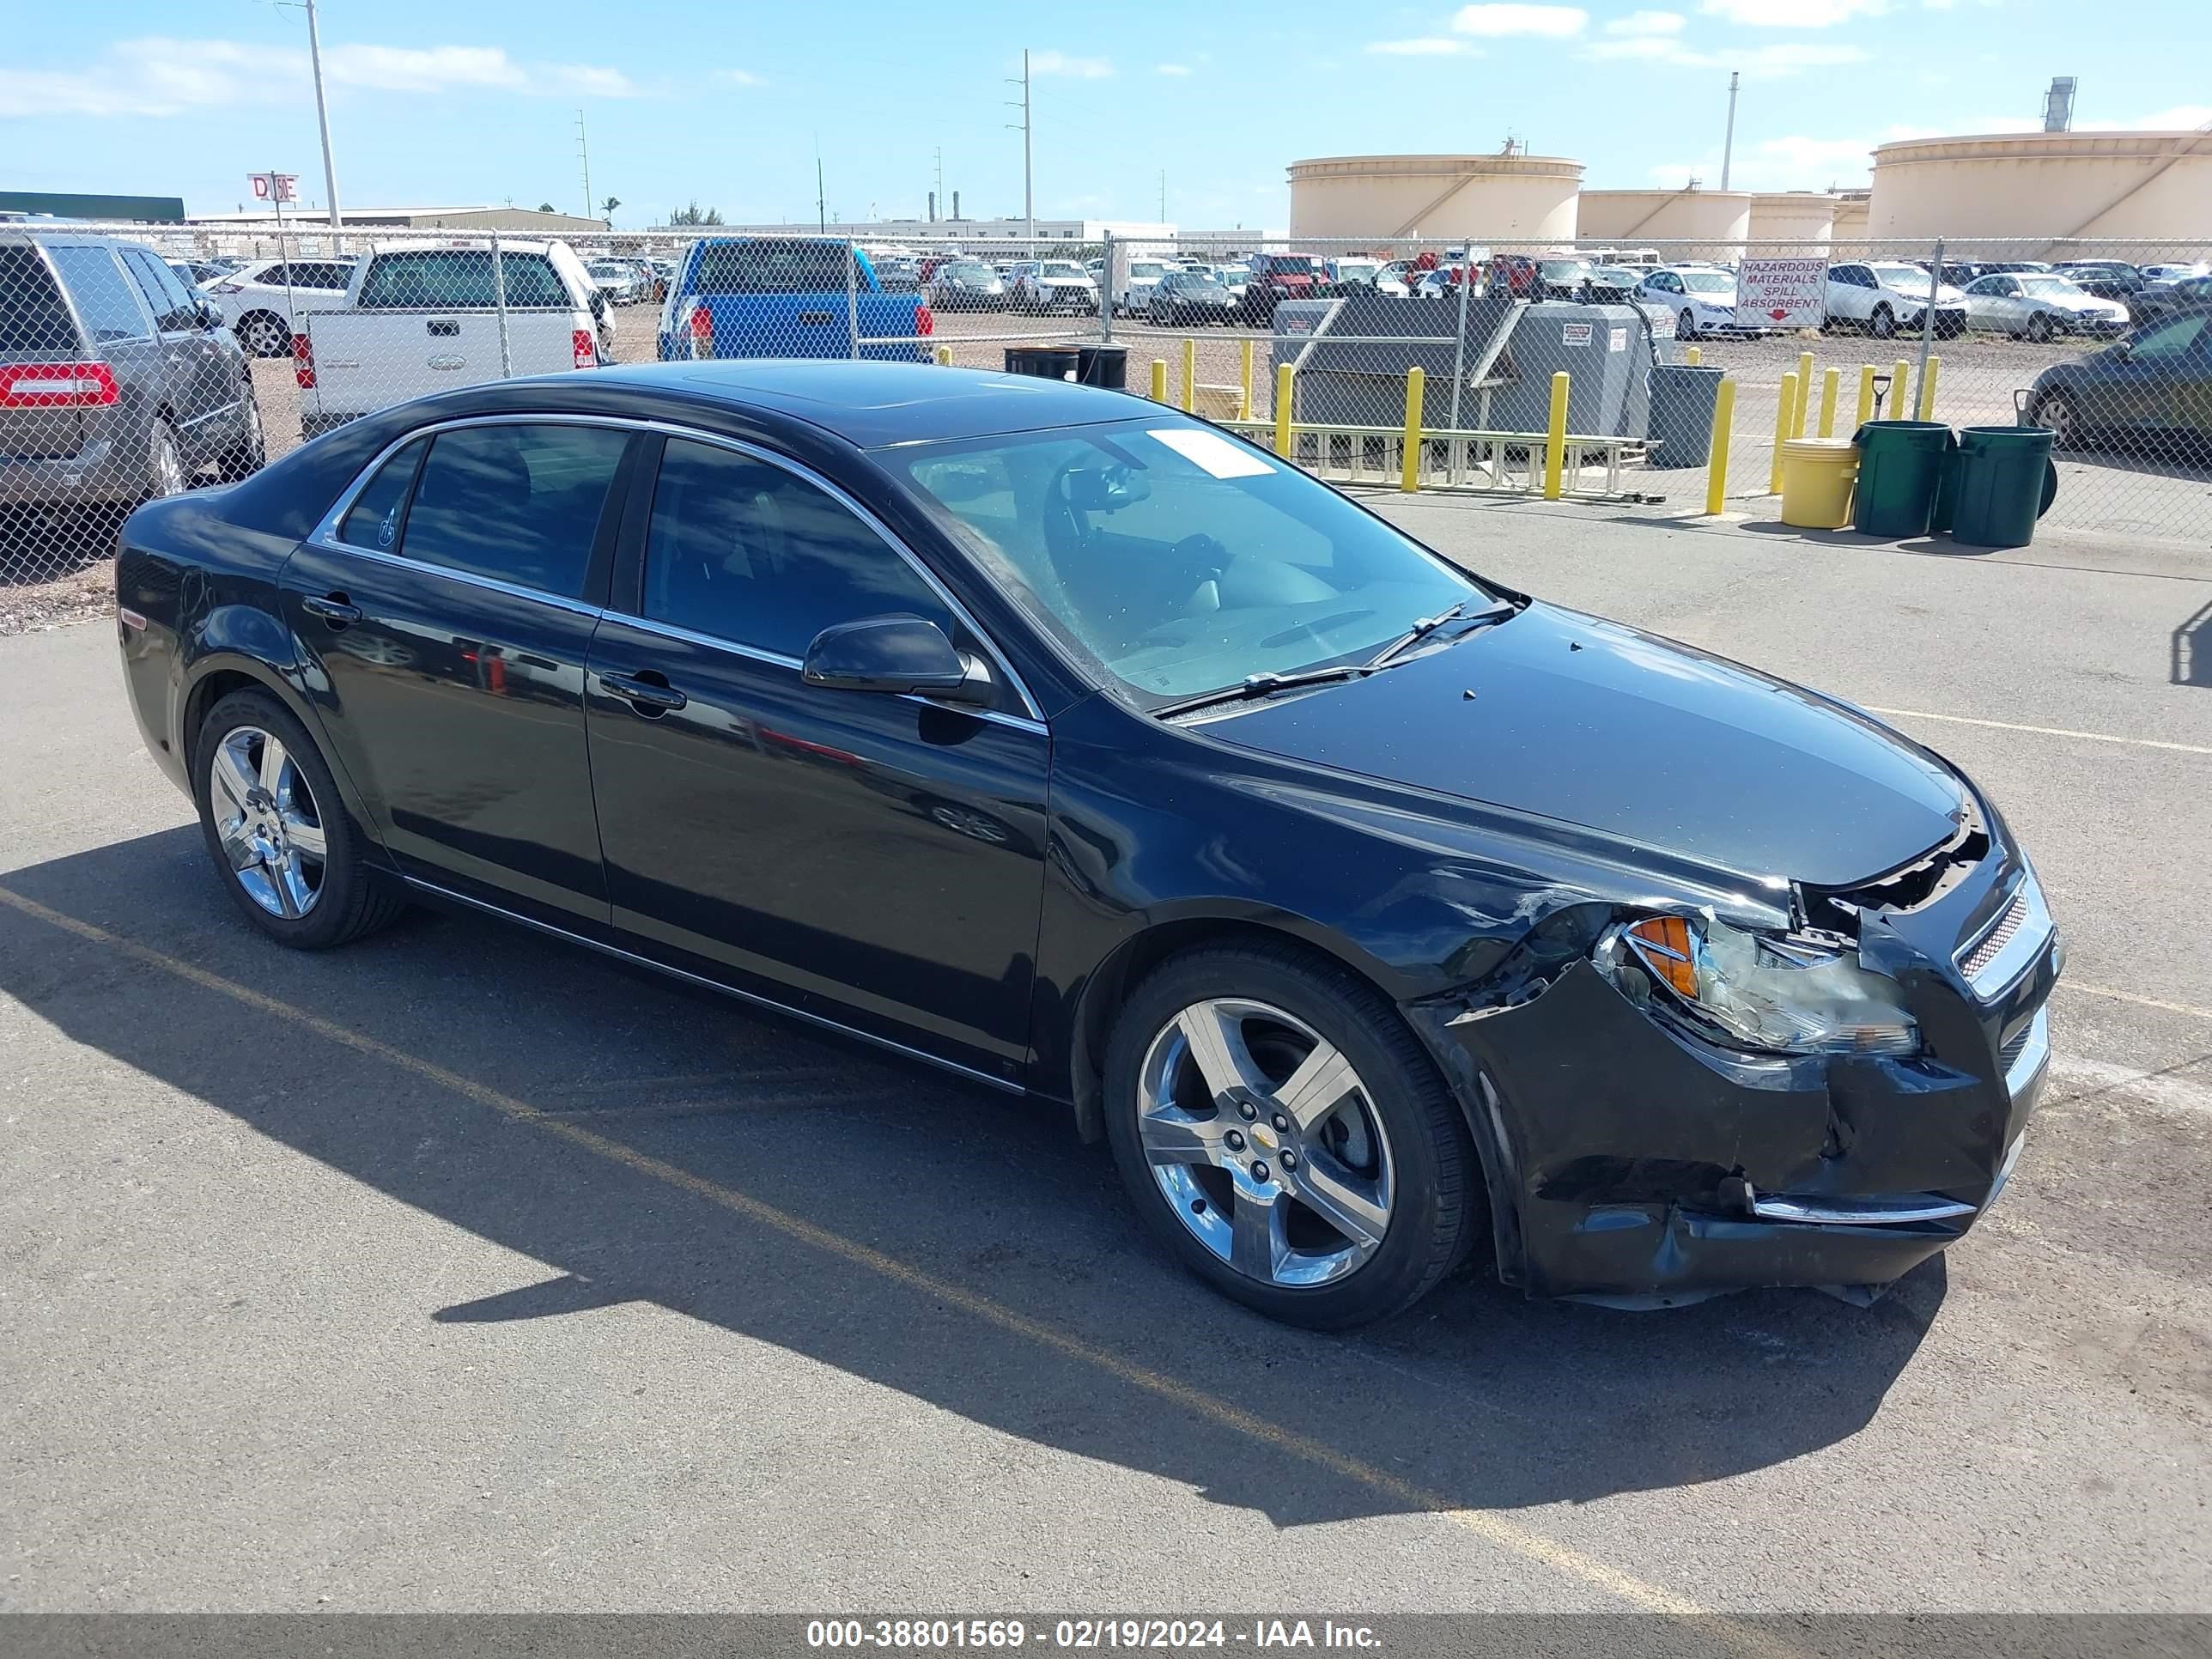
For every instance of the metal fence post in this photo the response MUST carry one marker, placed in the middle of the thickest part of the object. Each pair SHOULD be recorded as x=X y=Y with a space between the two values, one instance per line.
x=853 y=295
x=1106 y=290
x=1927 y=326
x=1459 y=349
x=499 y=304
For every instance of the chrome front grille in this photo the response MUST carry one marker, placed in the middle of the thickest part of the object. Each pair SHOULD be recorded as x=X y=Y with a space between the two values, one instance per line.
x=1977 y=961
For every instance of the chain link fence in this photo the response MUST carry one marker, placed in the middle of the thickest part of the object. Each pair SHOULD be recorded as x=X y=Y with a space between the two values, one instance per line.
x=136 y=360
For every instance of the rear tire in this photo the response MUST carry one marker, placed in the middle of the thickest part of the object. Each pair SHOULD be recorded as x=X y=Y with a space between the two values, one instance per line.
x=1337 y=1200
x=272 y=820
x=264 y=334
x=165 y=474
x=250 y=453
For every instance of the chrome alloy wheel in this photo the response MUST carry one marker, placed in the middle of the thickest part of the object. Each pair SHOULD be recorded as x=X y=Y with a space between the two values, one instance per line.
x=267 y=818
x=1265 y=1142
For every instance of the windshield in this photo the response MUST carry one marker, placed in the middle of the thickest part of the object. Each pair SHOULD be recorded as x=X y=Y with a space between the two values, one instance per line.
x=1145 y=268
x=1905 y=276
x=2053 y=285
x=1056 y=268
x=970 y=273
x=1707 y=281
x=1290 y=265
x=1555 y=269
x=1178 y=560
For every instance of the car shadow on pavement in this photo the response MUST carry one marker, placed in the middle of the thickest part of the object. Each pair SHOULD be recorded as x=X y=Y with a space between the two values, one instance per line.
x=2192 y=649
x=1105 y=1349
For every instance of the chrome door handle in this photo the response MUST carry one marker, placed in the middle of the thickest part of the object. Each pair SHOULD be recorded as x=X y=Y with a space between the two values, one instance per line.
x=642 y=694
x=337 y=610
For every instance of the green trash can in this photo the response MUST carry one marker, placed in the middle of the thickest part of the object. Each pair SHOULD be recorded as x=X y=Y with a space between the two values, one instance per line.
x=1901 y=468
x=2002 y=480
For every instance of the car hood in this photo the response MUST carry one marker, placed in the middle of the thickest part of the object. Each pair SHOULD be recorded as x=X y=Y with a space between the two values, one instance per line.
x=1594 y=724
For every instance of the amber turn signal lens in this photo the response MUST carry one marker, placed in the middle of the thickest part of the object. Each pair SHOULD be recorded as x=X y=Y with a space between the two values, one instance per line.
x=1664 y=942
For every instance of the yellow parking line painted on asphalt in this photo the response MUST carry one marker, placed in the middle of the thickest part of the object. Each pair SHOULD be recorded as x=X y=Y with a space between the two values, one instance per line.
x=2040 y=731
x=1522 y=1540
x=2130 y=996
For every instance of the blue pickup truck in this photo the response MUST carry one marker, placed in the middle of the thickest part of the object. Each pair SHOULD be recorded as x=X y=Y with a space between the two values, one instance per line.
x=786 y=296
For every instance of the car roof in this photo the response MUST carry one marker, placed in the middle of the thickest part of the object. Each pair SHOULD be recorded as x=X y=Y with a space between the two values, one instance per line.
x=873 y=405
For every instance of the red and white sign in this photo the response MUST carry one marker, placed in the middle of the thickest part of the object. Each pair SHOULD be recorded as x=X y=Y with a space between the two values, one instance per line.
x=1782 y=294
x=275 y=186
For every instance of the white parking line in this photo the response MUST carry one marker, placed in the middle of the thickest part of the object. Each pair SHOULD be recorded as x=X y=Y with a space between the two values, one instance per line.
x=2130 y=996
x=2040 y=731
x=2084 y=1077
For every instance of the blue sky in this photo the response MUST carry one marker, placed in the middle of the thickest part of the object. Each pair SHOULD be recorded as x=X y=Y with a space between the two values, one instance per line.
x=477 y=101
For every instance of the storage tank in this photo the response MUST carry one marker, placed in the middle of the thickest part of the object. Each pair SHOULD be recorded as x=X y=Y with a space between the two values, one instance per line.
x=1513 y=199
x=1785 y=221
x=1848 y=235
x=2051 y=187
x=1708 y=221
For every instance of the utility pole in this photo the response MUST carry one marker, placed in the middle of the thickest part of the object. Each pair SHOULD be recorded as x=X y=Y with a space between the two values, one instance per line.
x=584 y=154
x=1029 y=194
x=322 y=109
x=1728 y=144
x=820 y=216
x=1164 y=196
x=939 y=197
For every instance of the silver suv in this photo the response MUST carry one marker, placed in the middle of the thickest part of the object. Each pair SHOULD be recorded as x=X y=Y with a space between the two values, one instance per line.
x=117 y=383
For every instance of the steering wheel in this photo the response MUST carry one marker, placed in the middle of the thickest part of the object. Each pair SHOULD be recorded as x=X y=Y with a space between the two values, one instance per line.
x=1201 y=555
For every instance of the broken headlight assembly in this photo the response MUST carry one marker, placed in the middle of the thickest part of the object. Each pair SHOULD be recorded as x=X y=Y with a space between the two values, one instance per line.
x=1783 y=994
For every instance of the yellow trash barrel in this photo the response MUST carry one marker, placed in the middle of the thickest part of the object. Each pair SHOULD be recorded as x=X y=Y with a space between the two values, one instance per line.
x=1817 y=475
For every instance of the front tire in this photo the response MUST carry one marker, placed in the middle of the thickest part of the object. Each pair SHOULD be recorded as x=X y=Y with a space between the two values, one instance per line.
x=1685 y=325
x=1883 y=324
x=2055 y=412
x=2040 y=328
x=1285 y=1136
x=271 y=819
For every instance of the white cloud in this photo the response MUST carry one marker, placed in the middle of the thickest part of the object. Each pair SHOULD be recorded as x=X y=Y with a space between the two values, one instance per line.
x=1767 y=63
x=738 y=78
x=1079 y=69
x=1176 y=70
x=1792 y=14
x=1426 y=45
x=153 y=76
x=1646 y=23
x=1550 y=23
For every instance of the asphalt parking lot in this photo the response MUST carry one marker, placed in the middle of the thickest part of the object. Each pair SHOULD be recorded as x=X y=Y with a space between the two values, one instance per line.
x=458 y=1271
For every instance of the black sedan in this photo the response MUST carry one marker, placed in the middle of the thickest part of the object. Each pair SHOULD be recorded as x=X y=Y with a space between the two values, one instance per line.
x=1191 y=296
x=2150 y=392
x=1377 y=915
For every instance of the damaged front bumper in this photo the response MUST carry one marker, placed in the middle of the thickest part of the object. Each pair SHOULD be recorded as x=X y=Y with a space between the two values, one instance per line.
x=1631 y=1163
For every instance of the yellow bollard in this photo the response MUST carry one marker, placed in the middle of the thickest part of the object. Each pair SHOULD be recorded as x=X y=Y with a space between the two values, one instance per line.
x=1245 y=411
x=1866 y=395
x=1724 y=428
x=1284 y=374
x=1785 y=411
x=1555 y=444
x=1927 y=389
x=945 y=356
x=1901 y=382
x=1409 y=474
x=1189 y=376
x=1159 y=380
x=1804 y=393
x=1693 y=356
x=1832 y=383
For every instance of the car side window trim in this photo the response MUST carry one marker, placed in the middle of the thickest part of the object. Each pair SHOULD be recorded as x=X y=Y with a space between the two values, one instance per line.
x=625 y=604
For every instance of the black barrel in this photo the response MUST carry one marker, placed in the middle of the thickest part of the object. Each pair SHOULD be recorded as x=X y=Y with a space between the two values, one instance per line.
x=1102 y=365
x=1045 y=363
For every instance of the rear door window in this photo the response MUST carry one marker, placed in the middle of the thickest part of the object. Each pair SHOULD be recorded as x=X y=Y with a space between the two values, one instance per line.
x=34 y=321
x=771 y=266
x=109 y=304
x=517 y=502
x=377 y=513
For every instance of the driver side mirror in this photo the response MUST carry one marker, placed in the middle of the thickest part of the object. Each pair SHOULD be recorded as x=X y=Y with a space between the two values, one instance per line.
x=209 y=313
x=902 y=656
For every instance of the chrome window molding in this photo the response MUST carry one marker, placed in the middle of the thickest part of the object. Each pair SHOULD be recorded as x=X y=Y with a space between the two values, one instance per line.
x=754 y=997
x=325 y=534
x=473 y=579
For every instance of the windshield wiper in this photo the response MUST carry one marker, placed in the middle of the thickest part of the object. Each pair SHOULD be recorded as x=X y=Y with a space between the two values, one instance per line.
x=1495 y=610
x=1260 y=685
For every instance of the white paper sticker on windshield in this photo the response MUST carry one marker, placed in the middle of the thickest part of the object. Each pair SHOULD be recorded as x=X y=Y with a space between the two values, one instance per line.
x=1222 y=457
